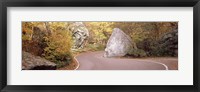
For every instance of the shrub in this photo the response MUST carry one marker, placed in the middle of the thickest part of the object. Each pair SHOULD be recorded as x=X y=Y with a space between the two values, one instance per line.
x=137 y=53
x=95 y=47
x=158 y=47
x=58 y=48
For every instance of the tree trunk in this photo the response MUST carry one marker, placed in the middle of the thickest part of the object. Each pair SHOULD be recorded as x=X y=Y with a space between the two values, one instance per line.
x=48 y=28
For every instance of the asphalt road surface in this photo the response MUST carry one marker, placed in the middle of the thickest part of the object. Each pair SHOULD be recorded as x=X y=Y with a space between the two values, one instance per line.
x=96 y=61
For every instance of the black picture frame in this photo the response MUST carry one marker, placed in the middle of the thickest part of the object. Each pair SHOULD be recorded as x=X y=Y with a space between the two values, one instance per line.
x=100 y=3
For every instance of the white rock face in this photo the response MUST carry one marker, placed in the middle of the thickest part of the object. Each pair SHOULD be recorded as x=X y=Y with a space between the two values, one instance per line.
x=119 y=44
x=80 y=34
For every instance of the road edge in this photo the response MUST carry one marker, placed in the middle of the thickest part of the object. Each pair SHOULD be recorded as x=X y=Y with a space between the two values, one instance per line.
x=77 y=62
x=166 y=67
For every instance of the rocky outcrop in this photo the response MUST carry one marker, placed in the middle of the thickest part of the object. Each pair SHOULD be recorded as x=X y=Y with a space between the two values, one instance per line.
x=31 y=62
x=37 y=44
x=119 y=44
x=80 y=34
x=38 y=33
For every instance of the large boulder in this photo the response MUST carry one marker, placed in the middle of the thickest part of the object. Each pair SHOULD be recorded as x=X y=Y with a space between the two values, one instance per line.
x=80 y=34
x=119 y=44
x=31 y=62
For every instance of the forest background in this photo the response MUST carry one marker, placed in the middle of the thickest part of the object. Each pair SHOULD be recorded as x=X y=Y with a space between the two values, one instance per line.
x=54 y=41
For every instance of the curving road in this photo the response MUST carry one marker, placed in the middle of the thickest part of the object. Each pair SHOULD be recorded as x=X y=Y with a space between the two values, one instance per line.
x=96 y=61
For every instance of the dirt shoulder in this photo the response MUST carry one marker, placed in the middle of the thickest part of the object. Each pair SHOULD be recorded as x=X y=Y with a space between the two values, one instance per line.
x=72 y=66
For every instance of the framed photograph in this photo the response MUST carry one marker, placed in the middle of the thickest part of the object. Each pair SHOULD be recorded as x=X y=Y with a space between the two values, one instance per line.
x=74 y=45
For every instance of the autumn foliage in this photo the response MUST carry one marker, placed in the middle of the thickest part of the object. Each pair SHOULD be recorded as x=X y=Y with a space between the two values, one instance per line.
x=54 y=40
